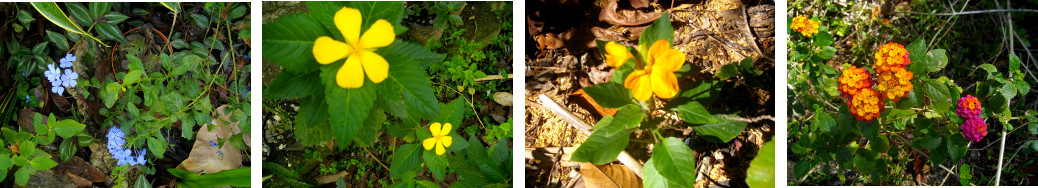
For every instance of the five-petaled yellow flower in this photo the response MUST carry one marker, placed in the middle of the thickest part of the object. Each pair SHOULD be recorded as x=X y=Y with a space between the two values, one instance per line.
x=658 y=75
x=439 y=138
x=358 y=49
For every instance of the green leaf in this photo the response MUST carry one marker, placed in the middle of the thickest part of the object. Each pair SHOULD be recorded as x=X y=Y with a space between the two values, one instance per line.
x=827 y=52
x=964 y=174
x=347 y=108
x=132 y=77
x=200 y=20
x=78 y=12
x=674 y=161
x=311 y=122
x=1022 y=86
x=823 y=39
x=1014 y=63
x=604 y=144
x=762 y=169
x=142 y=182
x=27 y=148
x=238 y=12
x=937 y=60
x=68 y=127
x=629 y=117
x=111 y=32
x=928 y=142
x=58 y=40
x=938 y=94
x=157 y=146
x=416 y=89
x=239 y=177
x=25 y=17
x=173 y=6
x=609 y=94
x=727 y=71
x=437 y=164
x=723 y=130
x=658 y=30
x=917 y=54
x=98 y=9
x=42 y=163
x=289 y=40
x=368 y=133
x=694 y=113
x=823 y=121
x=957 y=148
x=404 y=159
x=5 y=163
x=704 y=92
x=114 y=17
x=21 y=177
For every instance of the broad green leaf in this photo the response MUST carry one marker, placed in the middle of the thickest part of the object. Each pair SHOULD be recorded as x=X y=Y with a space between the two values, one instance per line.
x=727 y=71
x=629 y=117
x=991 y=70
x=652 y=178
x=404 y=159
x=704 y=92
x=957 y=147
x=658 y=30
x=762 y=169
x=823 y=39
x=964 y=174
x=917 y=54
x=311 y=122
x=609 y=94
x=1022 y=86
x=938 y=94
x=132 y=77
x=21 y=177
x=66 y=128
x=142 y=182
x=827 y=52
x=723 y=130
x=937 y=60
x=52 y=12
x=238 y=12
x=928 y=142
x=25 y=16
x=5 y=163
x=200 y=20
x=694 y=113
x=79 y=13
x=674 y=161
x=27 y=148
x=604 y=144
x=368 y=133
x=289 y=85
x=1014 y=63
x=823 y=122
x=58 y=40
x=416 y=89
x=239 y=177
x=864 y=164
x=289 y=41
x=43 y=163
x=114 y=17
x=135 y=62
x=408 y=52
x=347 y=108
x=437 y=164
x=157 y=146
x=98 y=9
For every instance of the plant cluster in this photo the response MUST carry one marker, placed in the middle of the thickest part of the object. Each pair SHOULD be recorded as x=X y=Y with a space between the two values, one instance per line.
x=355 y=80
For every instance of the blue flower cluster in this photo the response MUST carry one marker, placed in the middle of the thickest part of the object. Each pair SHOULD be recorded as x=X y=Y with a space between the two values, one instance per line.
x=59 y=81
x=123 y=155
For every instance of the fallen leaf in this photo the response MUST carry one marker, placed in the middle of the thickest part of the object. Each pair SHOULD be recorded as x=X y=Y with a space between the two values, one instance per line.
x=611 y=175
x=503 y=98
x=206 y=158
x=331 y=178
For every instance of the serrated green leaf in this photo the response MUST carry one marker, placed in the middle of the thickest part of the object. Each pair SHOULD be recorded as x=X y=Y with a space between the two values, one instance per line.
x=347 y=108
x=917 y=54
x=723 y=130
x=674 y=161
x=437 y=164
x=991 y=70
x=823 y=122
x=404 y=159
x=111 y=32
x=609 y=94
x=938 y=94
x=927 y=142
x=694 y=113
x=823 y=39
x=132 y=77
x=957 y=147
x=1014 y=63
x=937 y=60
x=289 y=42
x=312 y=121
x=827 y=52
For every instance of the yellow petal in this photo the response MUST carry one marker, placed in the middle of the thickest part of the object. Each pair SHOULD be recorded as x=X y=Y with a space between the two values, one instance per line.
x=642 y=89
x=445 y=130
x=347 y=20
x=664 y=84
x=616 y=54
x=378 y=35
x=350 y=74
x=658 y=47
x=428 y=143
x=375 y=66
x=439 y=149
x=629 y=82
x=668 y=60
x=328 y=50
x=434 y=128
x=446 y=141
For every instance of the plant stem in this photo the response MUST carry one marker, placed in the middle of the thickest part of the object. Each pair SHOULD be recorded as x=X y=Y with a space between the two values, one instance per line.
x=373 y=157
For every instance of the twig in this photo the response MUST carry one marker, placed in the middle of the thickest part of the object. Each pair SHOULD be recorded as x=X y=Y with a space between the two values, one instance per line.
x=373 y=157
x=974 y=12
x=494 y=77
x=750 y=120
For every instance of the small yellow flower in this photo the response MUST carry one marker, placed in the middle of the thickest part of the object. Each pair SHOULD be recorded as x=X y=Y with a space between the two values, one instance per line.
x=896 y=83
x=439 y=138
x=616 y=54
x=890 y=57
x=805 y=26
x=359 y=50
x=658 y=75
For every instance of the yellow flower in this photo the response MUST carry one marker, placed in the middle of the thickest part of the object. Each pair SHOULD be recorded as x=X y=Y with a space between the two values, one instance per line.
x=658 y=75
x=866 y=105
x=616 y=54
x=439 y=138
x=896 y=83
x=805 y=26
x=890 y=57
x=358 y=49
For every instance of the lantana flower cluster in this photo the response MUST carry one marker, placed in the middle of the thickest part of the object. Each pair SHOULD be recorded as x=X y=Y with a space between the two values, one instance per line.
x=116 y=146
x=805 y=26
x=894 y=82
x=656 y=77
x=974 y=128
x=59 y=81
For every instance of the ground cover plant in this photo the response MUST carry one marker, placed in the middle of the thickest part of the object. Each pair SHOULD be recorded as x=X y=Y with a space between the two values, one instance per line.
x=387 y=94
x=125 y=94
x=646 y=94
x=916 y=94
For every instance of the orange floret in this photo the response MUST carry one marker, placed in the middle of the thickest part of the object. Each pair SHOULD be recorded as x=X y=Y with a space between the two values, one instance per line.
x=853 y=80
x=895 y=84
x=890 y=56
x=866 y=105
x=805 y=26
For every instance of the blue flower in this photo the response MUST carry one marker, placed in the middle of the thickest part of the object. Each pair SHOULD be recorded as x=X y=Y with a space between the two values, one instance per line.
x=212 y=143
x=122 y=155
x=57 y=89
x=67 y=61
x=69 y=78
x=53 y=74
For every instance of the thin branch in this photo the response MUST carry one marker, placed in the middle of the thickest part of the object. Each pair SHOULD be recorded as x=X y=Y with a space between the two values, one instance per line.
x=974 y=12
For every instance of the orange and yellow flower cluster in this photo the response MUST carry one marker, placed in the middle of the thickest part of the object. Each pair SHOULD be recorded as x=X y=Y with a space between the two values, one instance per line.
x=894 y=78
x=853 y=80
x=866 y=105
x=805 y=26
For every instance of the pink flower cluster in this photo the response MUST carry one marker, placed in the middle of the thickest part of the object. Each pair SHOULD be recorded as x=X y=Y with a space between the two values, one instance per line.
x=974 y=128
